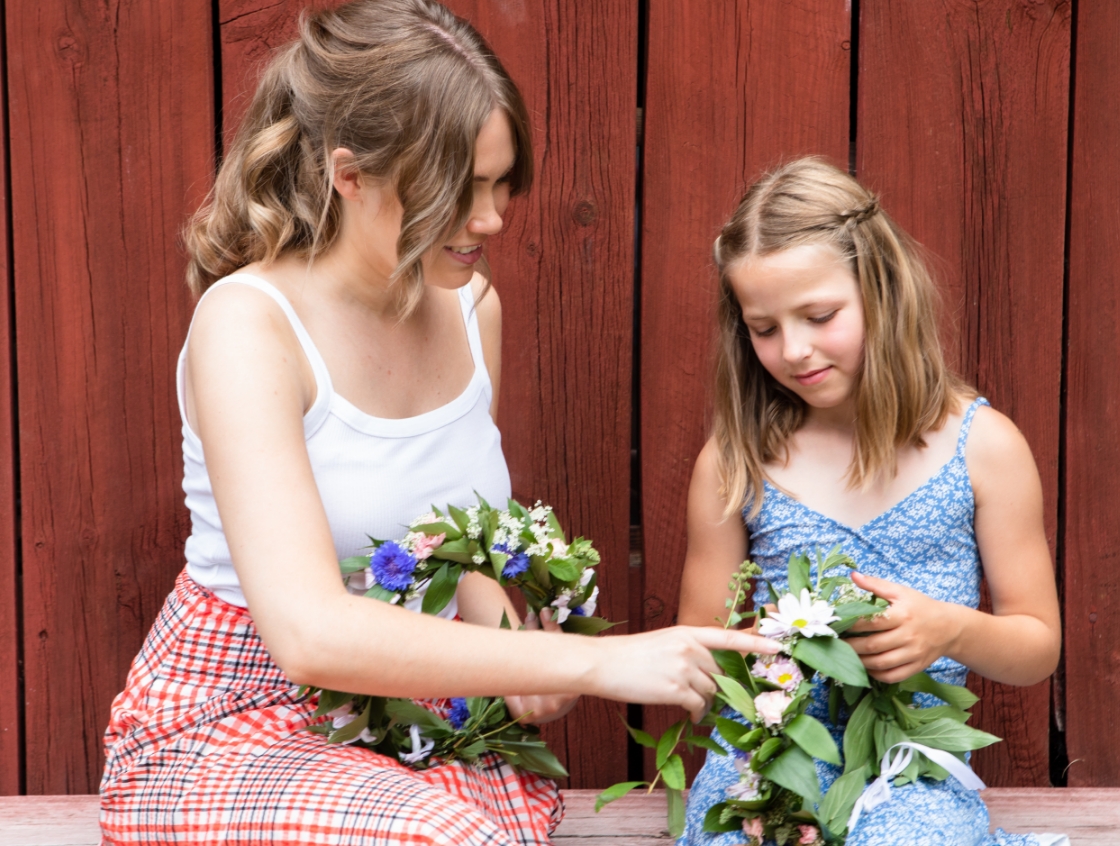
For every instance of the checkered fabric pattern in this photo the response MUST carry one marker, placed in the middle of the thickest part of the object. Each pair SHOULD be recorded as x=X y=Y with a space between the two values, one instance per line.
x=207 y=745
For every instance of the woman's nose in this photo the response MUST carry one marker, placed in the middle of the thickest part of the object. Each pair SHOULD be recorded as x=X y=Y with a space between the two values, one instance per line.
x=485 y=219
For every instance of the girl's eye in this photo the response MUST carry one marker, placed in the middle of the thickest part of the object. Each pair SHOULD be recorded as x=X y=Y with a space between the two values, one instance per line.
x=763 y=333
x=824 y=318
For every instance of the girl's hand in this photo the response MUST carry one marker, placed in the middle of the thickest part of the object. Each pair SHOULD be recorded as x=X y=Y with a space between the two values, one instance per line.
x=670 y=666
x=910 y=635
x=541 y=709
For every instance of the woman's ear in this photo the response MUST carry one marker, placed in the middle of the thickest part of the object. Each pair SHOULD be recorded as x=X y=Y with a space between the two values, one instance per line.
x=345 y=177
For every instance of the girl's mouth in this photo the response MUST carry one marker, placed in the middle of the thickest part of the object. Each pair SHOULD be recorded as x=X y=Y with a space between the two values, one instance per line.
x=812 y=377
x=465 y=255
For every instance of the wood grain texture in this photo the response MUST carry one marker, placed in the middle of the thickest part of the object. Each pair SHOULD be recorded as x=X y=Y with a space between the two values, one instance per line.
x=112 y=124
x=11 y=740
x=564 y=270
x=733 y=89
x=962 y=125
x=1092 y=530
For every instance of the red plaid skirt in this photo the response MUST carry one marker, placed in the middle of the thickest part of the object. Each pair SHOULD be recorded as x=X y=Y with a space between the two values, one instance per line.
x=207 y=744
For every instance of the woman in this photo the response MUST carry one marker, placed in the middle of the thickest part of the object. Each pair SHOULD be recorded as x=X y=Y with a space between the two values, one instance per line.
x=340 y=375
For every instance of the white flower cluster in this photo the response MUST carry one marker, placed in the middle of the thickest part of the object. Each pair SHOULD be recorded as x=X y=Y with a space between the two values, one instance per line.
x=850 y=593
x=561 y=602
x=508 y=531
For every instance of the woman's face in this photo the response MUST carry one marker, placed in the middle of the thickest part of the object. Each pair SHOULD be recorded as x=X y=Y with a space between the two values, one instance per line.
x=805 y=315
x=452 y=264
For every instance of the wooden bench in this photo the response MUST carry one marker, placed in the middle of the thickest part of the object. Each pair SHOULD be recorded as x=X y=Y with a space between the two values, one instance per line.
x=1088 y=815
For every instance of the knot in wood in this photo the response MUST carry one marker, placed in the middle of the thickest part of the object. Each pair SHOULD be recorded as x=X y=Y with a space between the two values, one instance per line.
x=584 y=213
x=68 y=48
x=654 y=607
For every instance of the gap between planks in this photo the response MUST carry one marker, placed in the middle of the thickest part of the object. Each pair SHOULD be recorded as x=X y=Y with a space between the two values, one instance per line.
x=1089 y=815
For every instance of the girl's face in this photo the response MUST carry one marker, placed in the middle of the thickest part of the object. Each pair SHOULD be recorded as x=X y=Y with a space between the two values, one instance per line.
x=452 y=264
x=804 y=312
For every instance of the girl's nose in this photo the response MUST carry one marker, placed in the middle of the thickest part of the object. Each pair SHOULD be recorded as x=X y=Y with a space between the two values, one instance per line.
x=795 y=347
x=485 y=219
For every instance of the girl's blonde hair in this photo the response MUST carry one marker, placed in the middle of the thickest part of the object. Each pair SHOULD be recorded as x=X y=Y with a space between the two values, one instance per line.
x=904 y=389
x=405 y=86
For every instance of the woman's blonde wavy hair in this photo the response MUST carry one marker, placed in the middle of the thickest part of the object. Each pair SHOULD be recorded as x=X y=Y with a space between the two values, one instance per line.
x=904 y=389
x=403 y=84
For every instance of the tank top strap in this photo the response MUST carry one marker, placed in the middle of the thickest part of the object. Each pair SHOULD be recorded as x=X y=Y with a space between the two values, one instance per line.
x=966 y=423
x=323 y=389
x=474 y=334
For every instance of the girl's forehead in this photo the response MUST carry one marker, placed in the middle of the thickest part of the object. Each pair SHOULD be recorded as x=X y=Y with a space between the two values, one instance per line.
x=791 y=276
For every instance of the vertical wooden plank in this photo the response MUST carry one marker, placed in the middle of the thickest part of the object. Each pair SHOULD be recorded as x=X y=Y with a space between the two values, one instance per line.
x=11 y=742
x=112 y=123
x=1092 y=498
x=733 y=89
x=564 y=269
x=962 y=126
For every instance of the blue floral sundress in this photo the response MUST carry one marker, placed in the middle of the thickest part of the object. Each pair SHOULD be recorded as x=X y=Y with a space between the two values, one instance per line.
x=927 y=542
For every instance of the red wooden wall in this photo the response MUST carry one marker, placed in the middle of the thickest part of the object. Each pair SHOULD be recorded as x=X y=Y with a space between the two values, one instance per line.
x=988 y=127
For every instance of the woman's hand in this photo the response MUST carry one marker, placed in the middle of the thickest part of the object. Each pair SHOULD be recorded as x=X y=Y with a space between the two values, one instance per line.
x=670 y=666
x=908 y=636
x=541 y=709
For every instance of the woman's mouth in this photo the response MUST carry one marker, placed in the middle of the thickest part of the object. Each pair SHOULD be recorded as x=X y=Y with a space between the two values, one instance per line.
x=465 y=255
x=812 y=377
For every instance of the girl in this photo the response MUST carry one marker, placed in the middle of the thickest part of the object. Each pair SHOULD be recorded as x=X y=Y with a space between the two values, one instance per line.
x=340 y=375
x=836 y=422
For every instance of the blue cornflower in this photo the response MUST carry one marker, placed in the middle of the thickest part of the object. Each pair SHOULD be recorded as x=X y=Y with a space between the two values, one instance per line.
x=515 y=566
x=579 y=611
x=459 y=712
x=392 y=566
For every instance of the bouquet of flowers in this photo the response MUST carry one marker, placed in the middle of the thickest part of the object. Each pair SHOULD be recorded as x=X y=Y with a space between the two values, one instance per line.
x=778 y=795
x=520 y=547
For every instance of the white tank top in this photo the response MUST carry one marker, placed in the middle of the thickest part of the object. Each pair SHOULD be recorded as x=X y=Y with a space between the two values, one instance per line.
x=374 y=474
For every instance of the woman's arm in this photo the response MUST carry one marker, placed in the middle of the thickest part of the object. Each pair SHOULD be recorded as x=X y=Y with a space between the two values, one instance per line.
x=249 y=393
x=1020 y=641
x=716 y=546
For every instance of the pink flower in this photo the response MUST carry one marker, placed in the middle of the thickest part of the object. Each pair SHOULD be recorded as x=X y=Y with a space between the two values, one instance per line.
x=424 y=545
x=779 y=670
x=771 y=705
x=809 y=835
x=753 y=828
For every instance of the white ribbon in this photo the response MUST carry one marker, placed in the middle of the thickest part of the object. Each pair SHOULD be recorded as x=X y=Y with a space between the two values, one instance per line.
x=879 y=791
x=420 y=749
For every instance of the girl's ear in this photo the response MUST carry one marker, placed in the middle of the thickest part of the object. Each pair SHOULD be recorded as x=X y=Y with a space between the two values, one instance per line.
x=346 y=179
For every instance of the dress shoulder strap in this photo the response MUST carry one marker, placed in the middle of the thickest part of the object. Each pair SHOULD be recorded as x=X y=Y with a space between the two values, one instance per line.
x=966 y=423
x=323 y=388
x=474 y=334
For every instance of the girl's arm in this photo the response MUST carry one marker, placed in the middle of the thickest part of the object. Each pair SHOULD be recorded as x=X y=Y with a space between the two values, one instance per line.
x=716 y=546
x=1020 y=641
x=248 y=387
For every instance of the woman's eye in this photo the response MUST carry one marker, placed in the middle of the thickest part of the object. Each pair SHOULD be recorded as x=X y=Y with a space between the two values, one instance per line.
x=824 y=318
x=763 y=333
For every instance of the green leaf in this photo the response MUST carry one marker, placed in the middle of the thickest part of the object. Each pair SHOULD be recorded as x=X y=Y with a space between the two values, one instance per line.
x=456 y=550
x=539 y=568
x=734 y=665
x=858 y=742
x=537 y=758
x=836 y=807
x=472 y=750
x=952 y=694
x=460 y=517
x=616 y=791
x=641 y=737
x=735 y=732
x=408 y=712
x=439 y=528
x=737 y=697
x=714 y=822
x=799 y=574
x=794 y=770
x=576 y=624
x=813 y=737
x=952 y=736
x=673 y=772
x=676 y=812
x=351 y=729
x=353 y=564
x=769 y=748
x=668 y=742
x=442 y=588
x=563 y=570
x=378 y=592
x=705 y=743
x=834 y=658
